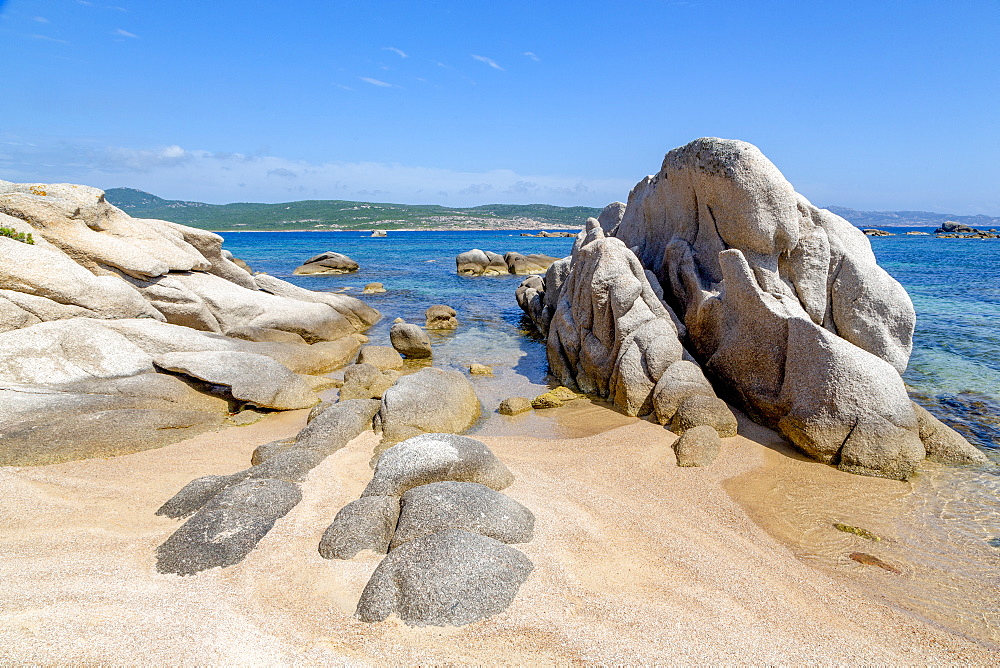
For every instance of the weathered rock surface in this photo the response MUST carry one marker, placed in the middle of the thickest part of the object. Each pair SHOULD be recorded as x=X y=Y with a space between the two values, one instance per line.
x=514 y=405
x=432 y=400
x=681 y=380
x=366 y=381
x=373 y=288
x=697 y=446
x=611 y=216
x=436 y=458
x=467 y=506
x=446 y=578
x=486 y=263
x=252 y=378
x=698 y=410
x=381 y=357
x=336 y=426
x=783 y=305
x=410 y=341
x=440 y=316
x=87 y=307
x=367 y=523
x=480 y=370
x=228 y=527
x=327 y=263
x=943 y=444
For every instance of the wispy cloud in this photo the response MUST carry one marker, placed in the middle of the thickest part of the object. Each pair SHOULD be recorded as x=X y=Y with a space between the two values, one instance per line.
x=176 y=172
x=125 y=33
x=398 y=52
x=376 y=82
x=46 y=38
x=531 y=55
x=343 y=86
x=41 y=19
x=489 y=61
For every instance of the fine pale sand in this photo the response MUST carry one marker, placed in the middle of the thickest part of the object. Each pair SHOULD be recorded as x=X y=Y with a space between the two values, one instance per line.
x=636 y=561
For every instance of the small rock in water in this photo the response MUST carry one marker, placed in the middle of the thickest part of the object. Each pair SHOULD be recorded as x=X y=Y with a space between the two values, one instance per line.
x=514 y=405
x=480 y=370
x=994 y=542
x=440 y=316
x=872 y=560
x=399 y=320
x=554 y=398
x=383 y=357
x=373 y=288
x=410 y=340
x=857 y=531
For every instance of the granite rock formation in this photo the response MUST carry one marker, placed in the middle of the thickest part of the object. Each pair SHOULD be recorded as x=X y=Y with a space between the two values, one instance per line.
x=781 y=303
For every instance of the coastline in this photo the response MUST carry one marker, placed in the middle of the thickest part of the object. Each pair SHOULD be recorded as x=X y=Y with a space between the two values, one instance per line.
x=636 y=560
x=567 y=228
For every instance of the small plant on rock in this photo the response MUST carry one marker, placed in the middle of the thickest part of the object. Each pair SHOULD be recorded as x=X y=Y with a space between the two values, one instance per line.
x=11 y=233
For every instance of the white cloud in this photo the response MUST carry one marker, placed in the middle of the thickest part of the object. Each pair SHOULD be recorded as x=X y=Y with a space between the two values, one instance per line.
x=529 y=54
x=489 y=61
x=376 y=82
x=178 y=173
x=398 y=52
x=41 y=19
x=46 y=38
x=125 y=33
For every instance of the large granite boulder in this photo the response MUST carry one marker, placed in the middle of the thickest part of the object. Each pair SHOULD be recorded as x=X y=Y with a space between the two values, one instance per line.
x=468 y=506
x=326 y=263
x=783 y=304
x=943 y=444
x=255 y=379
x=432 y=400
x=366 y=381
x=228 y=527
x=432 y=458
x=450 y=578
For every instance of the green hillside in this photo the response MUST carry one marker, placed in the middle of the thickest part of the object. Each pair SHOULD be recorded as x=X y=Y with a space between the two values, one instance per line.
x=344 y=215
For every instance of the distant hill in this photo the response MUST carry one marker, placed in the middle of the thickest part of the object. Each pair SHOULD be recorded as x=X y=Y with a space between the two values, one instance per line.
x=910 y=218
x=335 y=214
x=345 y=215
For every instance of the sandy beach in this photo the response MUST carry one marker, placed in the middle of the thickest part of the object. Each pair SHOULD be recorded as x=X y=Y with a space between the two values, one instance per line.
x=636 y=561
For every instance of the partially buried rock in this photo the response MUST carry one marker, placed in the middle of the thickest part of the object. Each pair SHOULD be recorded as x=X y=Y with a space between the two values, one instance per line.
x=228 y=527
x=253 y=378
x=410 y=341
x=436 y=458
x=440 y=316
x=480 y=370
x=433 y=400
x=698 y=446
x=383 y=357
x=373 y=288
x=364 y=524
x=327 y=263
x=554 y=398
x=697 y=410
x=467 y=506
x=450 y=578
x=514 y=405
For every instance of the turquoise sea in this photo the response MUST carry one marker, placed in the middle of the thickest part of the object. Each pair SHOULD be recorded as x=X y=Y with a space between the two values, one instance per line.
x=954 y=285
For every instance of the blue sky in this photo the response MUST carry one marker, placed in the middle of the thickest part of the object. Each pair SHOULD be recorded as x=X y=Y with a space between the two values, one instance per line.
x=873 y=105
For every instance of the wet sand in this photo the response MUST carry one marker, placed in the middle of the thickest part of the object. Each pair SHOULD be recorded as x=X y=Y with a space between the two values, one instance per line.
x=636 y=561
